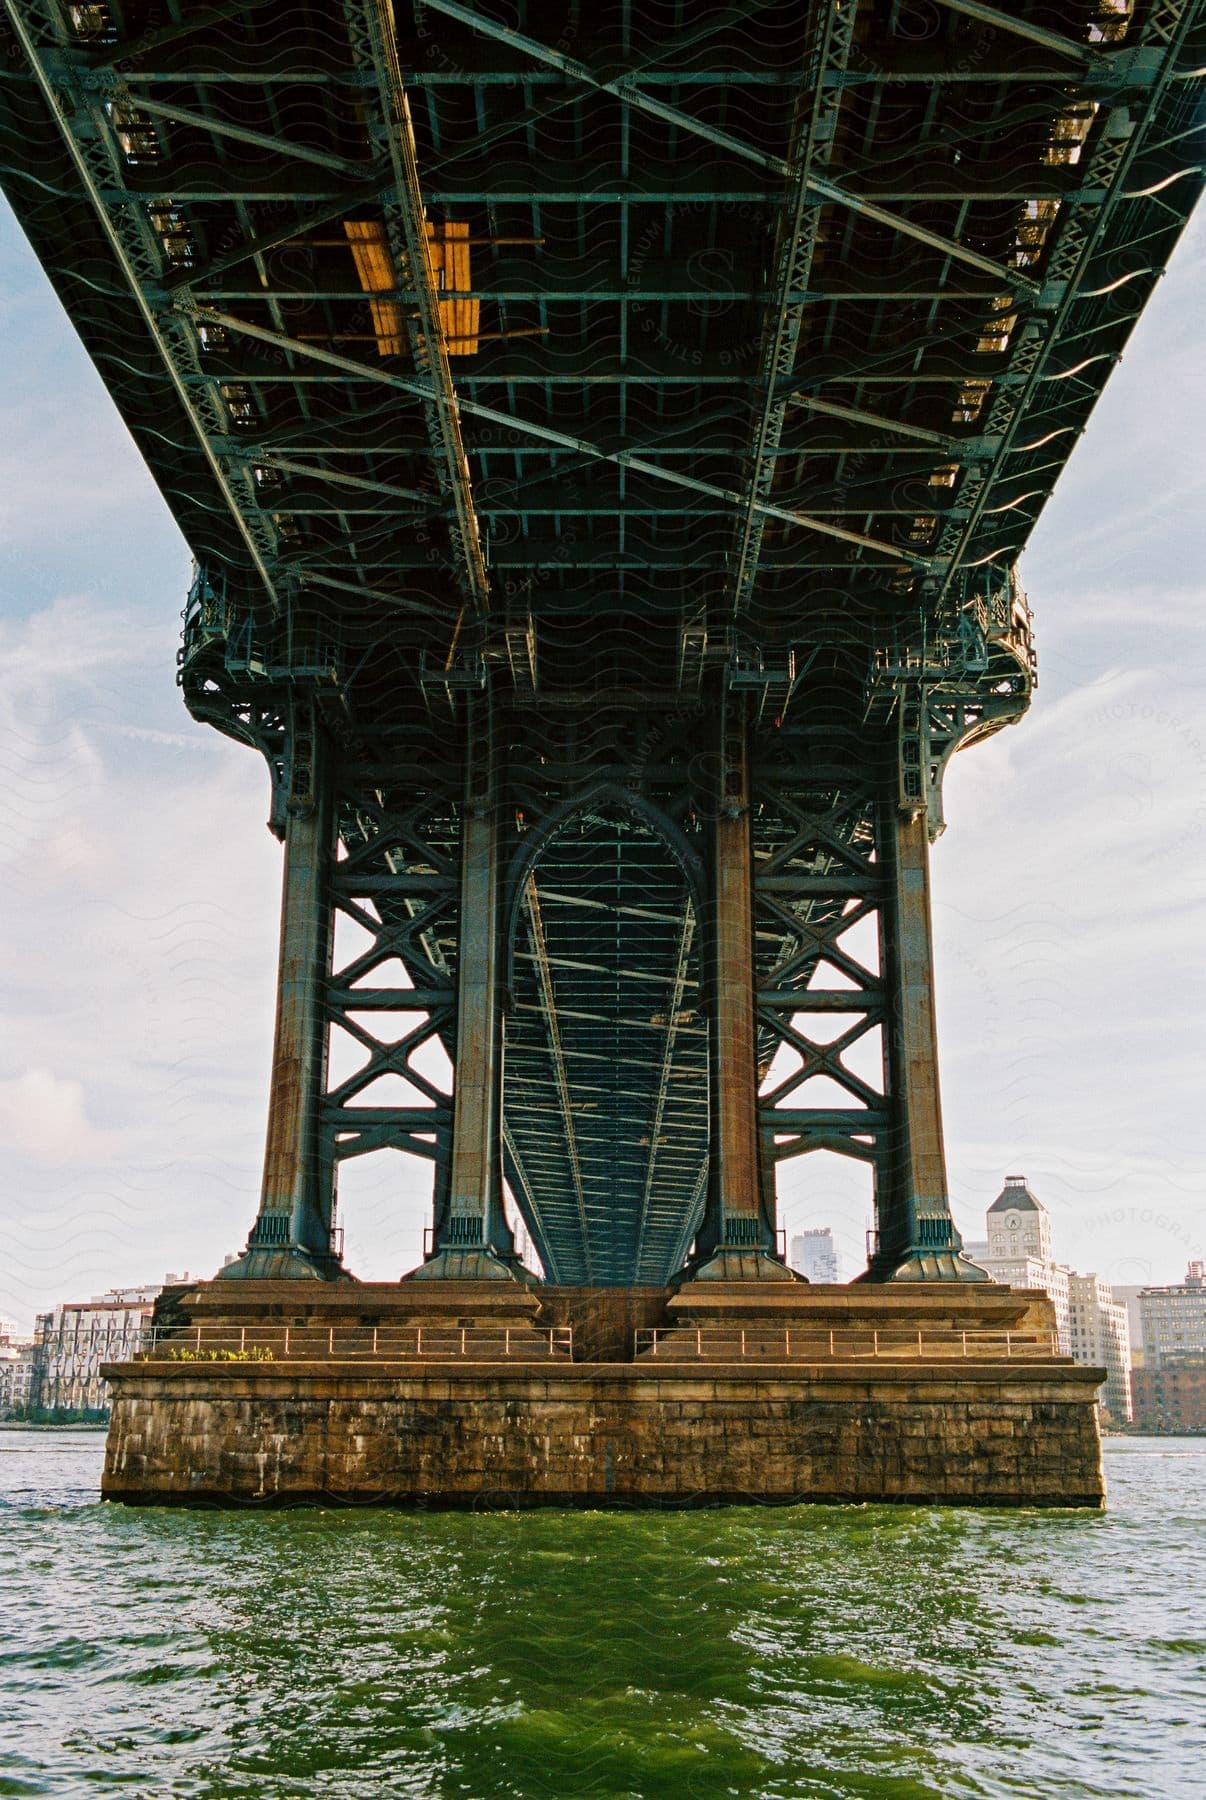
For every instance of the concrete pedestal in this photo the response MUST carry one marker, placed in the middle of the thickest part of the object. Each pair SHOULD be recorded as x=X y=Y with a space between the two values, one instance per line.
x=436 y=1394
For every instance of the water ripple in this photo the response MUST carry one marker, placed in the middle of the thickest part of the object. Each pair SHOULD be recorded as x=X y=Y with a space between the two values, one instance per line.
x=812 y=1651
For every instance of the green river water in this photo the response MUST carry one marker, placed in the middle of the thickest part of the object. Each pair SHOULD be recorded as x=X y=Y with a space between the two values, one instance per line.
x=828 y=1651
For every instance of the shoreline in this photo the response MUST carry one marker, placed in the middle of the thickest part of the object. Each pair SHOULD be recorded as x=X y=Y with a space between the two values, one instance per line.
x=51 y=1425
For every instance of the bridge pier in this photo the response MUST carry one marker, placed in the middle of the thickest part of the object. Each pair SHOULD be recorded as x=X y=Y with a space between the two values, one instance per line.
x=808 y=838
x=411 y=1394
x=483 y=589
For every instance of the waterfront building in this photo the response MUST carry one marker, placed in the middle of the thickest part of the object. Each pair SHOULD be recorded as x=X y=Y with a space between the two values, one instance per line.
x=17 y=1362
x=73 y=1341
x=1100 y=1338
x=1031 y=1272
x=1168 y=1380
x=1171 y=1396
x=1128 y=1296
x=814 y=1254
x=1173 y=1319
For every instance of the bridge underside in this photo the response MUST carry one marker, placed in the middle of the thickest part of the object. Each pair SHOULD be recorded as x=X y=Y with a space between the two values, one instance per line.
x=607 y=441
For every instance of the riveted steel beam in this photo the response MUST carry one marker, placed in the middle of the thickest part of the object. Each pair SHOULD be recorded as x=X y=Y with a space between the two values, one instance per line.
x=242 y=134
x=134 y=256
x=912 y=1197
x=473 y=1224
x=831 y=29
x=734 y=1217
x=371 y=27
x=1083 y=233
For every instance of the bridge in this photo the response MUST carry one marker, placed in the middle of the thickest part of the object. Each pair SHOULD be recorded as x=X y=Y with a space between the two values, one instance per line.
x=606 y=438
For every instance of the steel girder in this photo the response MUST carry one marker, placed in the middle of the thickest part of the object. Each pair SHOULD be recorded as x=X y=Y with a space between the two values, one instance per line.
x=1083 y=182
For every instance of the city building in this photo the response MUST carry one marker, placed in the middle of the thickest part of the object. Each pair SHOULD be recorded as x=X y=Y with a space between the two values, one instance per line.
x=1171 y=1396
x=1100 y=1337
x=814 y=1254
x=1128 y=1296
x=16 y=1375
x=1017 y=1252
x=1091 y=1321
x=1018 y=1224
x=1173 y=1319
x=73 y=1341
x=1169 y=1387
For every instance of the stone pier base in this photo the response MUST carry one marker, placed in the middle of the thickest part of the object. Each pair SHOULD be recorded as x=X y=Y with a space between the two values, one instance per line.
x=835 y=1394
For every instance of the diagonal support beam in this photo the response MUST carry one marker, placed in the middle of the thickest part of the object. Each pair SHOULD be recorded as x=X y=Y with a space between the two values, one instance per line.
x=856 y=416
x=187 y=280
x=622 y=459
x=270 y=459
x=548 y=996
x=622 y=87
x=242 y=134
x=1011 y=279
x=362 y=591
x=150 y=320
x=1054 y=41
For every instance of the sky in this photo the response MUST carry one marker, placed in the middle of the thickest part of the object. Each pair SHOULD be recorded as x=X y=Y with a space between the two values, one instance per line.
x=140 y=885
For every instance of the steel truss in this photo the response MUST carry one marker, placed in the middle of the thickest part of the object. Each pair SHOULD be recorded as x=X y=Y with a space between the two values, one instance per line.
x=844 y=971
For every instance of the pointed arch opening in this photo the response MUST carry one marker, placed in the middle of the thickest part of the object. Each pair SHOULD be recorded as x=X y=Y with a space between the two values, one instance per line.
x=605 y=1066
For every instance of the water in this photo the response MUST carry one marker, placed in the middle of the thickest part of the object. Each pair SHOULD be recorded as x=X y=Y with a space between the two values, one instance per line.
x=854 y=1651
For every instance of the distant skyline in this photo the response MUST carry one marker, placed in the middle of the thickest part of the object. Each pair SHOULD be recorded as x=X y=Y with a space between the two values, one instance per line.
x=140 y=885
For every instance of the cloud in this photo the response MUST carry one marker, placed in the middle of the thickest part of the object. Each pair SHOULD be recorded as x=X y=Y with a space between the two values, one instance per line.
x=44 y=1117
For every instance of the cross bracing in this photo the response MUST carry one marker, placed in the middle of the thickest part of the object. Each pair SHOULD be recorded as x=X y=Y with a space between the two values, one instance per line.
x=589 y=362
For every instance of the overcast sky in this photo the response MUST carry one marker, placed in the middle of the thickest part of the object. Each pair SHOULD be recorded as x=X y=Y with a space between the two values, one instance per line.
x=140 y=884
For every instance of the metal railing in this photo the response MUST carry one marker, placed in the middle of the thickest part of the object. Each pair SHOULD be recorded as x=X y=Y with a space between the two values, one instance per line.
x=771 y=1344
x=348 y=1343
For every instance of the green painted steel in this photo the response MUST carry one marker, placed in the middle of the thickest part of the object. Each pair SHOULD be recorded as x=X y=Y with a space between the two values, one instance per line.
x=626 y=380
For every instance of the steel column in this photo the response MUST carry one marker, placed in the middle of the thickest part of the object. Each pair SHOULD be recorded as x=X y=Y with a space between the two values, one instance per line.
x=737 y=1235
x=292 y=1233
x=916 y=1236
x=471 y=1235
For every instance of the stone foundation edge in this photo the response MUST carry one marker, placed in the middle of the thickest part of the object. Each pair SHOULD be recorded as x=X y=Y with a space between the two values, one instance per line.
x=602 y=1435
